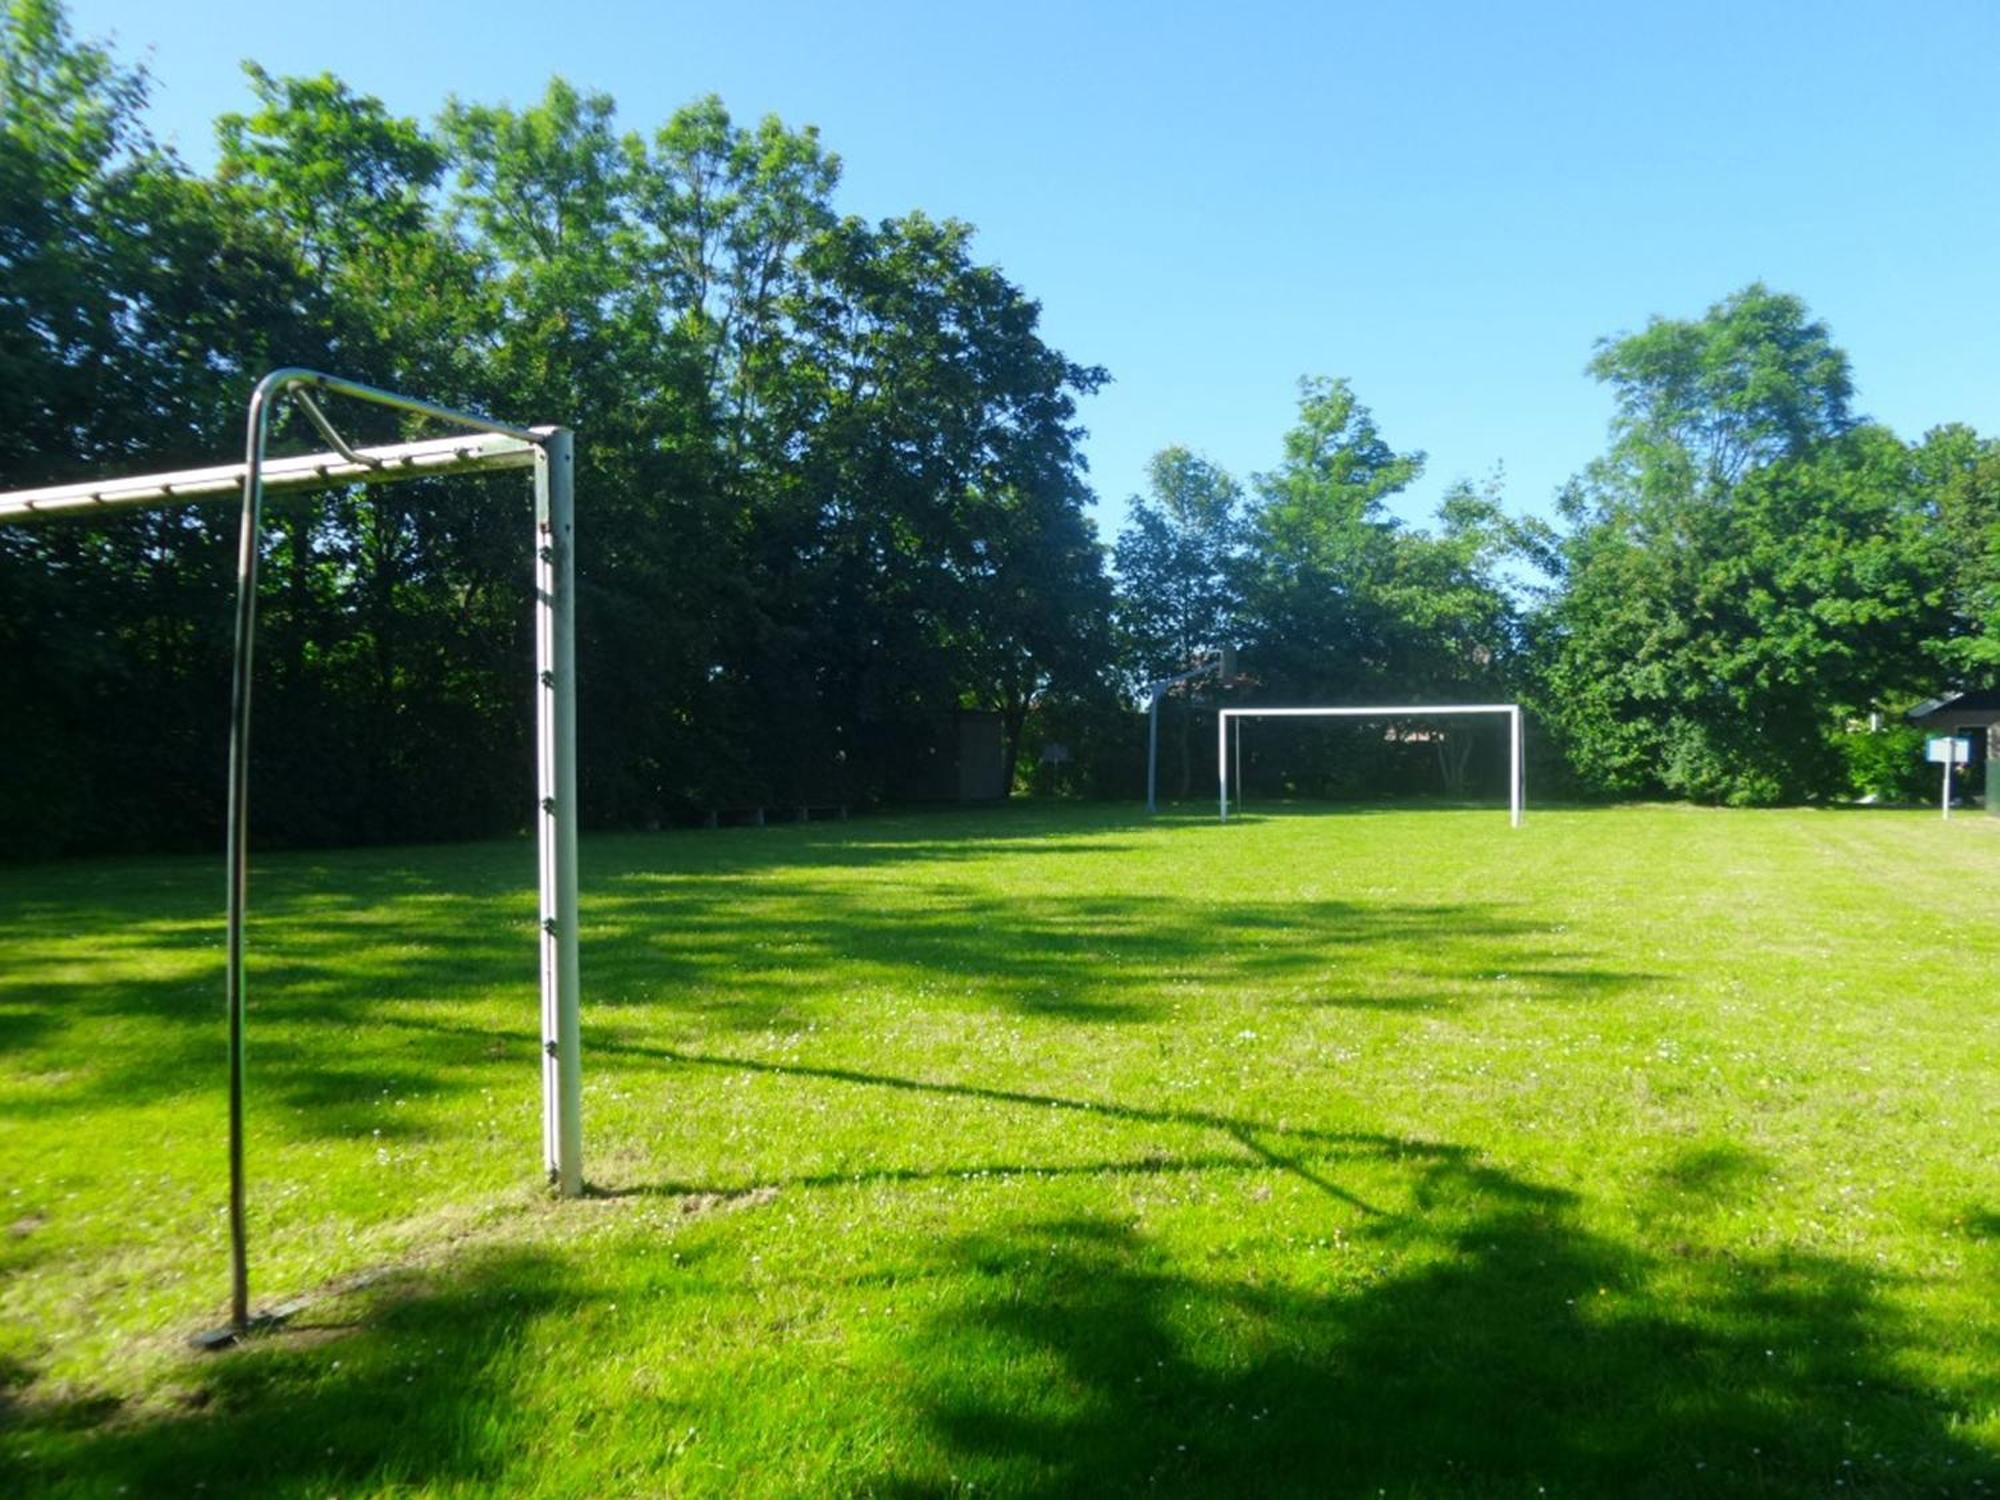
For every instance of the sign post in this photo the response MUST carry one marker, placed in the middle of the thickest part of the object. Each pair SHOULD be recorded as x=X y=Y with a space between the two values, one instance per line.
x=1947 y=750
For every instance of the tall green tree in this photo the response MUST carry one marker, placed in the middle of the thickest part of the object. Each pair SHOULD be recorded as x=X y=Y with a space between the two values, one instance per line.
x=72 y=142
x=1322 y=544
x=1702 y=402
x=1961 y=480
x=942 y=475
x=1178 y=565
x=1746 y=571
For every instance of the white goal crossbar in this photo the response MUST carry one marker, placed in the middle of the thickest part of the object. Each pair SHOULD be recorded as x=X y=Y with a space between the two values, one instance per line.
x=467 y=453
x=481 y=446
x=1512 y=711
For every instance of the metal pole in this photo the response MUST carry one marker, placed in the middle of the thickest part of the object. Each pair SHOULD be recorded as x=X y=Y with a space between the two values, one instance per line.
x=1222 y=761
x=556 y=810
x=1236 y=755
x=258 y=427
x=1153 y=750
x=1944 y=799
x=1515 y=789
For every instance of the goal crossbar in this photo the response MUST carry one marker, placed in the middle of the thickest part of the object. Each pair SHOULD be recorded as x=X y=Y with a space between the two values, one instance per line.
x=469 y=454
x=1511 y=711
x=482 y=445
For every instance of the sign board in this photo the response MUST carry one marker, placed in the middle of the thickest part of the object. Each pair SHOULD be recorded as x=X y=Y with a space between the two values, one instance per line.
x=1948 y=750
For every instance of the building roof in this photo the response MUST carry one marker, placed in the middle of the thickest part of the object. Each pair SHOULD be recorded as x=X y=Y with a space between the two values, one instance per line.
x=1976 y=701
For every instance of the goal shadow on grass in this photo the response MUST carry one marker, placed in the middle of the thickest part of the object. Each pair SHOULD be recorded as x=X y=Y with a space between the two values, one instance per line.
x=1482 y=1340
x=1299 y=1150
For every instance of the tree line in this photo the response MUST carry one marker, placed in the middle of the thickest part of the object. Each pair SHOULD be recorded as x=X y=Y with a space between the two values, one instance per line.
x=835 y=495
x=831 y=467
x=1734 y=604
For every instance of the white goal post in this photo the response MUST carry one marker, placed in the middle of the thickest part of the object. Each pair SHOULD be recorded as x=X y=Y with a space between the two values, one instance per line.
x=1511 y=711
x=482 y=446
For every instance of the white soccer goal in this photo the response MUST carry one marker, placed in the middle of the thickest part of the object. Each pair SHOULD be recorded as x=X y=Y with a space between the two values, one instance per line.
x=483 y=446
x=1516 y=788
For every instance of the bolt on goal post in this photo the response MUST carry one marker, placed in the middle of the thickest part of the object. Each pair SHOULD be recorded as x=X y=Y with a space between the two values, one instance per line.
x=1516 y=787
x=482 y=446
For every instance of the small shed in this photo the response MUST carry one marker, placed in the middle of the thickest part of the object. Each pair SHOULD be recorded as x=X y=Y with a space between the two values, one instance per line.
x=955 y=757
x=1973 y=715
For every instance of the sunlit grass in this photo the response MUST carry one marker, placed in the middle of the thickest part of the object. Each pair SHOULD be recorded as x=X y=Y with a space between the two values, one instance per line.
x=1643 y=1150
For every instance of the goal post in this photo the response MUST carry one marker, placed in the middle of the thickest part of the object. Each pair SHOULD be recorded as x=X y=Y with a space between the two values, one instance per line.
x=1219 y=663
x=1516 y=785
x=481 y=446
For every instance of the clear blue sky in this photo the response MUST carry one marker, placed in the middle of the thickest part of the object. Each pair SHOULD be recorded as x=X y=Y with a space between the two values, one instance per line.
x=1445 y=202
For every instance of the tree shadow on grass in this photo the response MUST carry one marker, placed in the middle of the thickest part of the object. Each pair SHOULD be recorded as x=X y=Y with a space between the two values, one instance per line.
x=1509 y=1351
x=747 y=952
x=1983 y=1224
x=744 y=953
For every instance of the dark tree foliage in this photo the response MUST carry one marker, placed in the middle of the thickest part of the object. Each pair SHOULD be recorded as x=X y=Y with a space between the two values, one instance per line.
x=830 y=491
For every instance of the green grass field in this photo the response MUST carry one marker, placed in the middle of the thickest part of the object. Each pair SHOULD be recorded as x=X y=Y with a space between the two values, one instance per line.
x=1644 y=1151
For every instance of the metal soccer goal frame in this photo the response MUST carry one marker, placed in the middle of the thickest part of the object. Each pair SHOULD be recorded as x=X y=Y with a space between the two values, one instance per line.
x=482 y=446
x=1516 y=788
